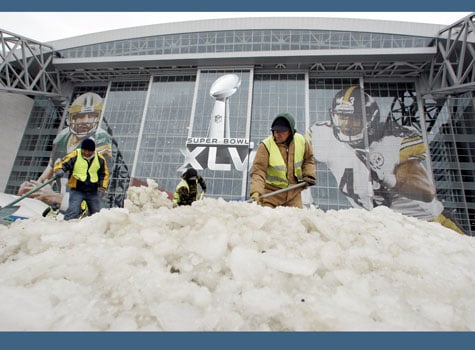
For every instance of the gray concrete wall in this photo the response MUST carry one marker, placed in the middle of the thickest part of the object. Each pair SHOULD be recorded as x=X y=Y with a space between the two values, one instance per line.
x=14 y=113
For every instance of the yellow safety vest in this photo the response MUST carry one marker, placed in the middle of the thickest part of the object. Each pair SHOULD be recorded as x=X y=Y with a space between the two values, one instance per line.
x=80 y=169
x=277 y=169
x=180 y=184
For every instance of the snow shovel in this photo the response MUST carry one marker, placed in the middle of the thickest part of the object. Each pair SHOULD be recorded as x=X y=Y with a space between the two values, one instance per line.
x=10 y=208
x=300 y=184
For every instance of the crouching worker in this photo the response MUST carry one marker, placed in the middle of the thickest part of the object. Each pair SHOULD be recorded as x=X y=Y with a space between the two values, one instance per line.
x=187 y=190
x=88 y=180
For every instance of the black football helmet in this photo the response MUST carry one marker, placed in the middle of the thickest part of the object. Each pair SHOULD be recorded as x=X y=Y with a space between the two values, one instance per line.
x=347 y=115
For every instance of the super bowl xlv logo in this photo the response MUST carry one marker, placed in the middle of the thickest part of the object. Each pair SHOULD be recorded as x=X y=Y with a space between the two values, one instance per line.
x=216 y=154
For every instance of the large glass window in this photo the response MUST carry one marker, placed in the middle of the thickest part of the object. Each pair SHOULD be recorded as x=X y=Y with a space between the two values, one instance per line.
x=450 y=132
x=245 y=40
x=36 y=145
x=274 y=94
x=122 y=118
x=165 y=130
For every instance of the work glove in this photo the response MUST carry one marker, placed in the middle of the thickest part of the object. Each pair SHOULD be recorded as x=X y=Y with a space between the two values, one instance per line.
x=59 y=173
x=310 y=180
x=256 y=197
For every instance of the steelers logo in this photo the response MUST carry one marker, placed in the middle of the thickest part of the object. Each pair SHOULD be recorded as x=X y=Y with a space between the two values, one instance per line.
x=376 y=160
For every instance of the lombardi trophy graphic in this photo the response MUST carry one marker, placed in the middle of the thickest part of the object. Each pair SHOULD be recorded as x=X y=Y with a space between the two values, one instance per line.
x=222 y=88
x=218 y=151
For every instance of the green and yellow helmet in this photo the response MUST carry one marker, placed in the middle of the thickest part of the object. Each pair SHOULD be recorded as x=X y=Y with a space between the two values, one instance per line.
x=85 y=114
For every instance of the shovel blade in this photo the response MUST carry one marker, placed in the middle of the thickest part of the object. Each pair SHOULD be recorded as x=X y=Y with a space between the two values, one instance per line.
x=5 y=212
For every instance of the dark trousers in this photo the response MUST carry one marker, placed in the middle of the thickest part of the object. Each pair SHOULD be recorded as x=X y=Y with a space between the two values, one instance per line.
x=75 y=199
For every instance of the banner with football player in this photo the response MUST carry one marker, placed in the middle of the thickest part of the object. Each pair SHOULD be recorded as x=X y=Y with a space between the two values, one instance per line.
x=82 y=121
x=375 y=150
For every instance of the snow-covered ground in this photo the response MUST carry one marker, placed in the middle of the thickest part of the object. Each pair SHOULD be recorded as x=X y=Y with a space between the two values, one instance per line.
x=234 y=266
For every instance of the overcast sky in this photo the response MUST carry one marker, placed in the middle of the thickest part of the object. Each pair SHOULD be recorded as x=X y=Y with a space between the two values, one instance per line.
x=47 y=26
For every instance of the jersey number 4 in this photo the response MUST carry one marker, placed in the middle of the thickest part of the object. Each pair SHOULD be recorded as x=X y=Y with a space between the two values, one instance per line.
x=346 y=186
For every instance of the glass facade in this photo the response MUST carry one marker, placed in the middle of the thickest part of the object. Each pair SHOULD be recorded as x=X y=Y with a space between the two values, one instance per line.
x=163 y=124
x=165 y=129
x=122 y=119
x=245 y=40
x=452 y=148
x=36 y=145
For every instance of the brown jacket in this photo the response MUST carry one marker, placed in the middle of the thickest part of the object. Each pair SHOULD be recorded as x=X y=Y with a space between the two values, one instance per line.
x=291 y=198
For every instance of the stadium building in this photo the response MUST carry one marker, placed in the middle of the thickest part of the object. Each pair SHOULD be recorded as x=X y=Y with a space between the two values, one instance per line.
x=204 y=94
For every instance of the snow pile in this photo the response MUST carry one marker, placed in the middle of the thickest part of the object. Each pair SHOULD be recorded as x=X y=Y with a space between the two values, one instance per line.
x=141 y=198
x=234 y=266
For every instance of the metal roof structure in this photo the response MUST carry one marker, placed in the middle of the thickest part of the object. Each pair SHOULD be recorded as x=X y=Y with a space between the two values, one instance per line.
x=446 y=64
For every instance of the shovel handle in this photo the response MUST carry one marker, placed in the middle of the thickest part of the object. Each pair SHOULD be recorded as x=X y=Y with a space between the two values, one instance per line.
x=300 y=184
x=33 y=190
